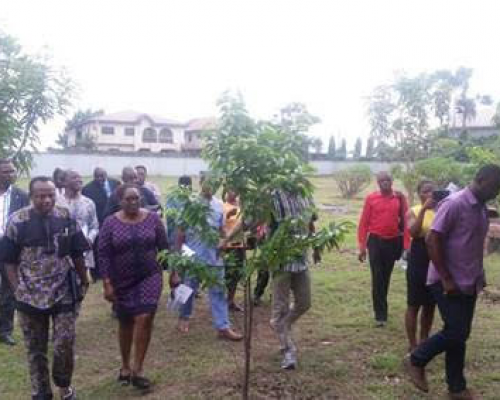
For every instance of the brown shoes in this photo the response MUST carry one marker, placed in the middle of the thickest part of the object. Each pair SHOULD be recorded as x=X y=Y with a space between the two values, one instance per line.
x=229 y=334
x=416 y=374
x=463 y=395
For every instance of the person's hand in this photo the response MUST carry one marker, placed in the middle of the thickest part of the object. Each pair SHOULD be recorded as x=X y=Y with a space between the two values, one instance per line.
x=222 y=244
x=362 y=255
x=449 y=287
x=109 y=292
x=429 y=204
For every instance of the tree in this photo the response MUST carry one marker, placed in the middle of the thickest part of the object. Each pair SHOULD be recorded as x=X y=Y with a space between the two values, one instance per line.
x=331 y=148
x=342 y=151
x=353 y=180
x=255 y=161
x=496 y=117
x=295 y=117
x=32 y=92
x=400 y=115
x=86 y=141
x=358 y=147
x=370 y=150
x=317 y=144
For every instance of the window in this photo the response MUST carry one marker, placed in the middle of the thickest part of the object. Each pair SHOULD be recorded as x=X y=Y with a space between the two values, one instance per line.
x=189 y=137
x=129 y=131
x=149 y=135
x=166 y=136
x=79 y=134
x=108 y=130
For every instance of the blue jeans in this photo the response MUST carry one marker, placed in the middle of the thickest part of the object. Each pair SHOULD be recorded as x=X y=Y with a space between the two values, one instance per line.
x=457 y=312
x=218 y=300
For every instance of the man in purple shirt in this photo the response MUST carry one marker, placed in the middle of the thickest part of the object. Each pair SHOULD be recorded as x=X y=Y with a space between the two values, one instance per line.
x=455 y=277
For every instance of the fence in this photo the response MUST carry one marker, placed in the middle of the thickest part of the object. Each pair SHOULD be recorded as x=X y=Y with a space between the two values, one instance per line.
x=162 y=165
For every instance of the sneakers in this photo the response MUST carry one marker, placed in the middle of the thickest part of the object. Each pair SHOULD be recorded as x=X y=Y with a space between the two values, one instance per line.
x=289 y=361
x=416 y=375
x=229 y=334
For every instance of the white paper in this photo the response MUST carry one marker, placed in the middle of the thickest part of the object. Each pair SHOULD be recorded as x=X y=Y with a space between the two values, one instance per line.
x=186 y=251
x=182 y=293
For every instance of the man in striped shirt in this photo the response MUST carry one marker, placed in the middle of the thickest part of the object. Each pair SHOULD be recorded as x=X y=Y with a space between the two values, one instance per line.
x=292 y=277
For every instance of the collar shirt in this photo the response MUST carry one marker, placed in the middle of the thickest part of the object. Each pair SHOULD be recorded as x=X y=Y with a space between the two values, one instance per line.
x=381 y=216
x=208 y=254
x=463 y=223
x=83 y=211
x=42 y=248
x=4 y=209
x=288 y=205
x=107 y=188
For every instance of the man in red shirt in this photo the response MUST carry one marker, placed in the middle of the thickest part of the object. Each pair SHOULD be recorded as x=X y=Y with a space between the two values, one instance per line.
x=382 y=231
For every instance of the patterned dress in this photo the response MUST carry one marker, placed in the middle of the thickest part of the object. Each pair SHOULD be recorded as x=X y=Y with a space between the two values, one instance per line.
x=127 y=256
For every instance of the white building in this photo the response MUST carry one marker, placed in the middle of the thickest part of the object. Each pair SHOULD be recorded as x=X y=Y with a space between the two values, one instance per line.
x=134 y=131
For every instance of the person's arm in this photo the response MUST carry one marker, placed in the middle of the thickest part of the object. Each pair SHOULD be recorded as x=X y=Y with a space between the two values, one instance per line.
x=160 y=234
x=444 y=222
x=79 y=245
x=93 y=223
x=435 y=249
x=105 y=255
x=406 y=231
x=10 y=271
x=415 y=222
x=363 y=229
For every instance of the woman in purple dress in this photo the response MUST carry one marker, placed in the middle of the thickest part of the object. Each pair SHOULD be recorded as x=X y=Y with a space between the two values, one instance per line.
x=129 y=241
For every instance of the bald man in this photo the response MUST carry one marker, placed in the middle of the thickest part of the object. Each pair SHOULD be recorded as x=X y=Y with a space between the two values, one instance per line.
x=148 y=199
x=383 y=235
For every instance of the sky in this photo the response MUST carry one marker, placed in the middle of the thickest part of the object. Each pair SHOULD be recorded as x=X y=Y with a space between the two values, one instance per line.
x=174 y=58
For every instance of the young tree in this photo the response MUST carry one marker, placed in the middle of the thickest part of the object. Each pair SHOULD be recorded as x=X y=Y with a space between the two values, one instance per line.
x=331 y=148
x=256 y=160
x=32 y=92
x=342 y=151
x=358 y=147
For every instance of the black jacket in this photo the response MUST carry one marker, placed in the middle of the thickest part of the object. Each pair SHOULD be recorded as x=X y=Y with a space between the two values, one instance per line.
x=96 y=192
x=148 y=200
x=18 y=199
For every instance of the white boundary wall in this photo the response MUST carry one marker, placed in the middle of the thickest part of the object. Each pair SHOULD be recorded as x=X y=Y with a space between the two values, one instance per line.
x=45 y=163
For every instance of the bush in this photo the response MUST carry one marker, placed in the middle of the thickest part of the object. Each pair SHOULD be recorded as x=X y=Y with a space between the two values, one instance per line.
x=441 y=171
x=353 y=180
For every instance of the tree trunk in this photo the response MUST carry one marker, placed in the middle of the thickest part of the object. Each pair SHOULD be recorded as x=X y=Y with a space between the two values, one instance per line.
x=248 y=324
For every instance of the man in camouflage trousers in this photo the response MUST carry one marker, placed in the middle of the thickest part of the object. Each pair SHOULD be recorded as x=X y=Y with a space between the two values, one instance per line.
x=43 y=253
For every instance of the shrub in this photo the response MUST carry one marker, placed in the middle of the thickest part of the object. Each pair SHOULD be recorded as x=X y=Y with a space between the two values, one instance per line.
x=353 y=180
x=441 y=170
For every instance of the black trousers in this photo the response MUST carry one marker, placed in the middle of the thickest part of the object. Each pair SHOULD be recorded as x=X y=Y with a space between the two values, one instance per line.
x=457 y=312
x=383 y=253
x=262 y=281
x=7 y=305
x=234 y=272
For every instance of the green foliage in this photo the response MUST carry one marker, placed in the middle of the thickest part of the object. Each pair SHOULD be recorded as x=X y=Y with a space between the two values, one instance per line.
x=353 y=180
x=31 y=92
x=332 y=148
x=370 y=149
x=87 y=142
x=342 y=151
x=189 y=211
x=441 y=170
x=358 y=147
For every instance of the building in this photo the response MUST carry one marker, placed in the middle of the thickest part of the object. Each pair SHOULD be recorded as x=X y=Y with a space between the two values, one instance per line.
x=478 y=126
x=128 y=131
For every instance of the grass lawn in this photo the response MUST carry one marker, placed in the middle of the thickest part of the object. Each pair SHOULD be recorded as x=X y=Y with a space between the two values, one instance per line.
x=342 y=355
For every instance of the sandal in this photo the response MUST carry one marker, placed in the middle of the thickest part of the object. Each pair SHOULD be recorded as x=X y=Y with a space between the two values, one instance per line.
x=141 y=382
x=124 y=380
